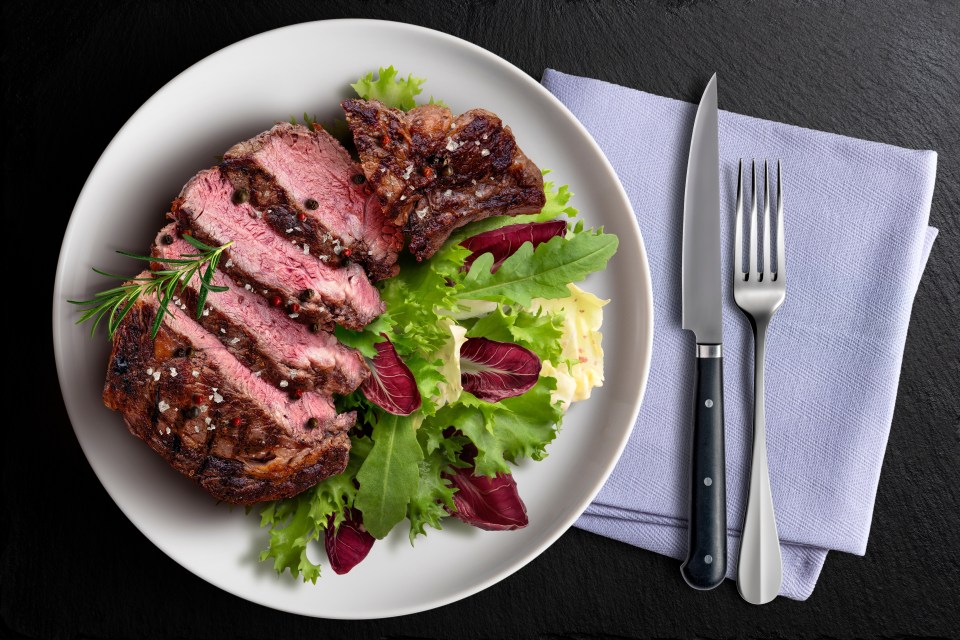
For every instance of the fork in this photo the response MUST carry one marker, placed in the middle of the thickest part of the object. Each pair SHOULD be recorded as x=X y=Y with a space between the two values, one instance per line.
x=759 y=294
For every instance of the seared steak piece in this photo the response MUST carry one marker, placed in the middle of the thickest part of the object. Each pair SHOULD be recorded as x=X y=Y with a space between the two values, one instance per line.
x=281 y=351
x=304 y=180
x=212 y=419
x=434 y=173
x=279 y=268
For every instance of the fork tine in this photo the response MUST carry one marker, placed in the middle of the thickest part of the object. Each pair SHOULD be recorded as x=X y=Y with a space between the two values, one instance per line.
x=738 y=232
x=766 y=251
x=752 y=258
x=781 y=252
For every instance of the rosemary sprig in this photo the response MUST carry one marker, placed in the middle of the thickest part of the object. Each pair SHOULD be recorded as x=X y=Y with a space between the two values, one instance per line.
x=114 y=304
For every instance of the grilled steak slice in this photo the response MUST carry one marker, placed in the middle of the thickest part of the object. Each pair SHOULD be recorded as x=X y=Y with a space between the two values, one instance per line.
x=281 y=351
x=272 y=265
x=304 y=180
x=196 y=405
x=434 y=173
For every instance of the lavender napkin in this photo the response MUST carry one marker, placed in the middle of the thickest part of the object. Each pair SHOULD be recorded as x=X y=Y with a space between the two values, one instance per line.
x=857 y=243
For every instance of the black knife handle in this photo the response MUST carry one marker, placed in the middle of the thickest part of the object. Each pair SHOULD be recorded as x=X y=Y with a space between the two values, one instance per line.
x=706 y=563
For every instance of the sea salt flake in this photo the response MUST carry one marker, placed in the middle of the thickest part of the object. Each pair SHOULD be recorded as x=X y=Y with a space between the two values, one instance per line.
x=290 y=230
x=451 y=145
x=208 y=420
x=248 y=287
x=163 y=405
x=235 y=341
x=421 y=212
x=257 y=374
x=229 y=263
x=156 y=375
x=222 y=330
x=206 y=312
x=168 y=430
x=150 y=371
x=448 y=192
x=485 y=152
x=284 y=384
x=203 y=408
x=306 y=249
x=294 y=315
x=217 y=397
x=173 y=372
x=196 y=428
x=196 y=374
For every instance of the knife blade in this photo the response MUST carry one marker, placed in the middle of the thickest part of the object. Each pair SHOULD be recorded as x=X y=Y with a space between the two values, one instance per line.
x=706 y=563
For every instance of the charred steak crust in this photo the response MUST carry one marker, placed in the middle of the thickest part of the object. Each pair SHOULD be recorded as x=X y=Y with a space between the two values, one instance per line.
x=243 y=455
x=434 y=173
x=303 y=180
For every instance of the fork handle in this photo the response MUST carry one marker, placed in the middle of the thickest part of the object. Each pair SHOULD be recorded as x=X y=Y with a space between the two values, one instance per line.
x=760 y=568
x=706 y=562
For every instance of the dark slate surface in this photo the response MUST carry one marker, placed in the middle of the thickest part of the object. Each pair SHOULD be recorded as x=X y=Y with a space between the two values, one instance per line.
x=72 y=566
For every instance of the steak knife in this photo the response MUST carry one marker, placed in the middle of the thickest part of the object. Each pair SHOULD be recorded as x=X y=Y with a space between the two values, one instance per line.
x=706 y=562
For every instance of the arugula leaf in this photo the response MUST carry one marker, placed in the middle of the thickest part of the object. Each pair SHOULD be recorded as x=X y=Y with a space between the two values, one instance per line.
x=540 y=332
x=392 y=91
x=539 y=273
x=434 y=495
x=389 y=477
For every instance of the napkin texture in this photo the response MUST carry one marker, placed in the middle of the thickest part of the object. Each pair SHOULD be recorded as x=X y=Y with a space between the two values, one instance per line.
x=857 y=241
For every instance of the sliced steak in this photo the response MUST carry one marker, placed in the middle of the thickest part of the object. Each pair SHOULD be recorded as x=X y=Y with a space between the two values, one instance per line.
x=200 y=408
x=281 y=351
x=275 y=267
x=304 y=180
x=434 y=173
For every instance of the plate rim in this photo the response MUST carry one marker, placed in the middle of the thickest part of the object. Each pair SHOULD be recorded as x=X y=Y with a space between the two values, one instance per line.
x=503 y=65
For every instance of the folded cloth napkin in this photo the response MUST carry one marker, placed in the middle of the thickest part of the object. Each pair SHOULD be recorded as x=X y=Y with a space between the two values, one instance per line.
x=857 y=242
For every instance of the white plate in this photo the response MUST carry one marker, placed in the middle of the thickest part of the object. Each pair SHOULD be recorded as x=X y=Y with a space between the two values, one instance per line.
x=232 y=95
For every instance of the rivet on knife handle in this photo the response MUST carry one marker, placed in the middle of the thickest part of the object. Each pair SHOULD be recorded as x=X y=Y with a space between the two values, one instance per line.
x=706 y=562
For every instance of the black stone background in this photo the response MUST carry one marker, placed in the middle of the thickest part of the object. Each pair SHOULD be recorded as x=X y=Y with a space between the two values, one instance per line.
x=72 y=566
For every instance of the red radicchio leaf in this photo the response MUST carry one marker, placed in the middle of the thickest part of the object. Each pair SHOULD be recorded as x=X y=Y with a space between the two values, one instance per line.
x=484 y=502
x=504 y=242
x=494 y=370
x=391 y=386
x=349 y=543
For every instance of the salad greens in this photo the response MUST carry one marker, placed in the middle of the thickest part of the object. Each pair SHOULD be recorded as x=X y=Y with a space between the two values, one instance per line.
x=418 y=466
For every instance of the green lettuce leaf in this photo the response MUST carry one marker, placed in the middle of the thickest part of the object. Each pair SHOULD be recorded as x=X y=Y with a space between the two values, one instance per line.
x=539 y=273
x=390 y=89
x=539 y=332
x=296 y=521
x=504 y=431
x=434 y=495
x=390 y=475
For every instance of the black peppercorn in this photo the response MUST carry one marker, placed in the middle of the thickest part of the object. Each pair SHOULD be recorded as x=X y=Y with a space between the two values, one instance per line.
x=447 y=171
x=359 y=179
x=306 y=294
x=240 y=196
x=193 y=412
x=314 y=328
x=313 y=423
x=167 y=239
x=311 y=204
